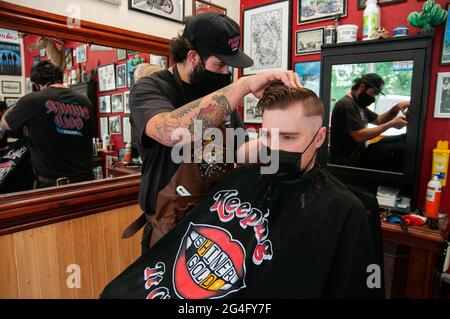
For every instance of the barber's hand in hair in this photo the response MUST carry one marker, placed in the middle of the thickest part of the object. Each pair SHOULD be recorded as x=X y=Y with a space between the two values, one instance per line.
x=398 y=122
x=256 y=84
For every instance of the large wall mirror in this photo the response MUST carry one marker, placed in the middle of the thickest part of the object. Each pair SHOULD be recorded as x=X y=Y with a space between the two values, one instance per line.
x=392 y=157
x=103 y=74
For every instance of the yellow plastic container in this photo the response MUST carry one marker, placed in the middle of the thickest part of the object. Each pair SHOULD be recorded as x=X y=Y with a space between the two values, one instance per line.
x=440 y=161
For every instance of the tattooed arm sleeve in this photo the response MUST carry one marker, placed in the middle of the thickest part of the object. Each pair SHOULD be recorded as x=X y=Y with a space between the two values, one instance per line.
x=211 y=110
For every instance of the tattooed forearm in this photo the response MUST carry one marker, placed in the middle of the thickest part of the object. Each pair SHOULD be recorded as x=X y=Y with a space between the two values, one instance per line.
x=213 y=114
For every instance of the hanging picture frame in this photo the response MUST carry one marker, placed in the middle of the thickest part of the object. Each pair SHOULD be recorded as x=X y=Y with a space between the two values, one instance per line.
x=114 y=125
x=167 y=9
x=252 y=113
x=104 y=126
x=266 y=36
x=200 y=6
x=126 y=102
x=117 y=103
x=121 y=54
x=312 y=10
x=121 y=76
x=309 y=41
x=107 y=78
x=104 y=104
x=11 y=87
x=126 y=129
x=309 y=73
x=442 y=104
x=82 y=53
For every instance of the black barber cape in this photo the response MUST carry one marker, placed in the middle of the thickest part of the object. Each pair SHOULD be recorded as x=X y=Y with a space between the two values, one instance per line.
x=257 y=236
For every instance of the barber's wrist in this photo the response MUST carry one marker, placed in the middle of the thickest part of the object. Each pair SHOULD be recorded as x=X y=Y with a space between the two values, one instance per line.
x=242 y=86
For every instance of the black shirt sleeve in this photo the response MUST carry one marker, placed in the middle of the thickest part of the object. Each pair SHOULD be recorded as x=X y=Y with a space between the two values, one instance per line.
x=371 y=116
x=352 y=119
x=25 y=109
x=147 y=99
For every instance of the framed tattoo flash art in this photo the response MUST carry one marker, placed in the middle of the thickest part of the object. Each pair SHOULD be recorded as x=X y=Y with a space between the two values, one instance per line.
x=266 y=33
x=313 y=10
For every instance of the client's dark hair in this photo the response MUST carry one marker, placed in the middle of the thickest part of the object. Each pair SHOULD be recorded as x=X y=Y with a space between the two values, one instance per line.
x=46 y=73
x=279 y=96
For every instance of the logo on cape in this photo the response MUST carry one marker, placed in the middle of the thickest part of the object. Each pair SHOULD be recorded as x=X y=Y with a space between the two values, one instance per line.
x=209 y=263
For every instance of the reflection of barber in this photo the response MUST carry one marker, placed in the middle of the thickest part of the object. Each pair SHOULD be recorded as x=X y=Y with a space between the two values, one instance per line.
x=350 y=118
x=59 y=125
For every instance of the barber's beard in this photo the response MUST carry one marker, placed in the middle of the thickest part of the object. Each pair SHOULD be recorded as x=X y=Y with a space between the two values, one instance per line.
x=206 y=81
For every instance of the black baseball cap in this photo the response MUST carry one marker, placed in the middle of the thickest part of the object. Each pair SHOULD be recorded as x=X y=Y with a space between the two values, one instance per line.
x=216 y=34
x=374 y=81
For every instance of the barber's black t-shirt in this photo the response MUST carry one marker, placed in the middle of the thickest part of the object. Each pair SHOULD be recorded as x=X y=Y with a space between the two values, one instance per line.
x=60 y=129
x=347 y=117
x=150 y=96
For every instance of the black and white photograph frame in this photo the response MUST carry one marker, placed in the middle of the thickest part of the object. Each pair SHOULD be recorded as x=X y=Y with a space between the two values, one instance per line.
x=442 y=104
x=126 y=102
x=107 y=78
x=117 y=103
x=308 y=11
x=121 y=76
x=121 y=54
x=104 y=126
x=171 y=10
x=82 y=53
x=252 y=113
x=266 y=37
x=114 y=125
x=10 y=101
x=309 y=41
x=445 y=55
x=126 y=129
x=104 y=104
x=11 y=87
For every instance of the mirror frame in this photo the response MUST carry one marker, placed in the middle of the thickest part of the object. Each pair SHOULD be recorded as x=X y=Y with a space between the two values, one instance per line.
x=24 y=210
x=417 y=48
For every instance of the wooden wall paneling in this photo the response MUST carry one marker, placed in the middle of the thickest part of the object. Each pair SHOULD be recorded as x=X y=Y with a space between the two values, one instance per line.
x=125 y=250
x=111 y=244
x=65 y=256
x=98 y=258
x=83 y=256
x=47 y=258
x=27 y=265
x=136 y=239
x=8 y=270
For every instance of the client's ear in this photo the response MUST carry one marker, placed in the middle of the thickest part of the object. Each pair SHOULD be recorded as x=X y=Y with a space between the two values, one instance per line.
x=320 y=138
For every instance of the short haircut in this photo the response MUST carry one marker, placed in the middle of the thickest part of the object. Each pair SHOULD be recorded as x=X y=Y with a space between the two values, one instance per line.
x=278 y=96
x=46 y=73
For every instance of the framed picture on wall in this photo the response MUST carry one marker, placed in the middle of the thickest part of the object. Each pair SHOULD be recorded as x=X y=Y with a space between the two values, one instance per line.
x=252 y=114
x=442 y=104
x=68 y=55
x=11 y=61
x=362 y=3
x=445 y=59
x=114 y=125
x=121 y=54
x=313 y=10
x=126 y=102
x=126 y=129
x=10 y=101
x=107 y=78
x=309 y=73
x=11 y=87
x=200 y=6
x=121 y=75
x=28 y=86
x=308 y=41
x=104 y=104
x=166 y=9
x=81 y=54
x=104 y=126
x=117 y=103
x=266 y=34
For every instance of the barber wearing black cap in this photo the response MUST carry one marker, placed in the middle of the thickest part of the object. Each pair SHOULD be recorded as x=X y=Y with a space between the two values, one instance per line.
x=350 y=117
x=197 y=87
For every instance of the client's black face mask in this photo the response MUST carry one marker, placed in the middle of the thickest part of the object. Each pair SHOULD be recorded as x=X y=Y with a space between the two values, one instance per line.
x=206 y=81
x=364 y=99
x=290 y=162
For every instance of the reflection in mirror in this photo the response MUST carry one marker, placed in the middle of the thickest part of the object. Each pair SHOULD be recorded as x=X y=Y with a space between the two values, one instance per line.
x=71 y=126
x=369 y=113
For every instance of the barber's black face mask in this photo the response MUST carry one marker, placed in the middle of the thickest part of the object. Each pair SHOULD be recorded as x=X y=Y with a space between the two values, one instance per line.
x=364 y=99
x=206 y=81
x=290 y=162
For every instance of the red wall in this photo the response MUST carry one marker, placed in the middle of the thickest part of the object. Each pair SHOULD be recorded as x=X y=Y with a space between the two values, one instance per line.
x=391 y=16
x=93 y=58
